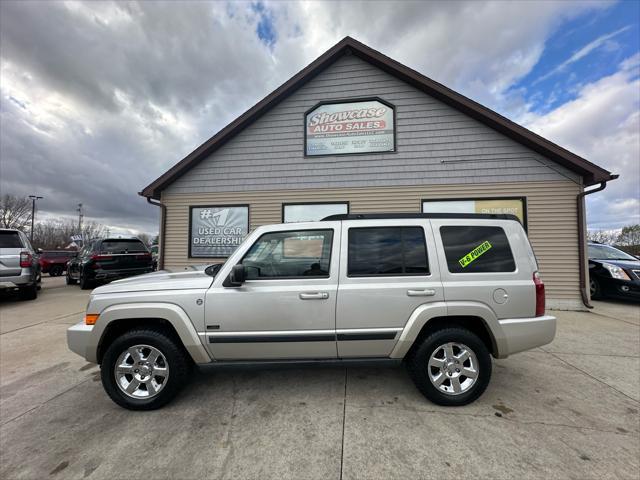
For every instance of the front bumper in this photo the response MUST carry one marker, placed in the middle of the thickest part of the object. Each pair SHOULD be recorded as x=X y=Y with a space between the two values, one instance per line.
x=614 y=287
x=520 y=334
x=79 y=340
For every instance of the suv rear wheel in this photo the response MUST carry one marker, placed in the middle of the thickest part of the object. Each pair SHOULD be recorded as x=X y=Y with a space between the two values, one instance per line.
x=144 y=369
x=452 y=366
x=29 y=293
x=85 y=283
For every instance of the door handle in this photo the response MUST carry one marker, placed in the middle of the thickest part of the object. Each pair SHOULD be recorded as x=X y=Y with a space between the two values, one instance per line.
x=314 y=296
x=427 y=292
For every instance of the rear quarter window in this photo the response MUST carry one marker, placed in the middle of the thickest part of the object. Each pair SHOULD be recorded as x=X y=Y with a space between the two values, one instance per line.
x=477 y=249
x=10 y=240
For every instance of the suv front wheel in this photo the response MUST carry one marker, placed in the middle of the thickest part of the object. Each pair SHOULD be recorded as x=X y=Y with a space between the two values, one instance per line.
x=451 y=366
x=144 y=369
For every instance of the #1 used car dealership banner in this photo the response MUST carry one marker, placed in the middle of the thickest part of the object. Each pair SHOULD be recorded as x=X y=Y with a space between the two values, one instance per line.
x=217 y=231
x=354 y=127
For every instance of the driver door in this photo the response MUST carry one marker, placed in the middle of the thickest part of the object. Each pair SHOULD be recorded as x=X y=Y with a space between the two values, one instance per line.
x=286 y=307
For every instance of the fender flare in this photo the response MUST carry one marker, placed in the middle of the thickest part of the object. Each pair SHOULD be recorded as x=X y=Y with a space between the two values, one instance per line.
x=170 y=312
x=426 y=312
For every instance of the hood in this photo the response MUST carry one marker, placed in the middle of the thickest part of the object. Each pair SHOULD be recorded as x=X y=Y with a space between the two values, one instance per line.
x=162 y=280
x=625 y=264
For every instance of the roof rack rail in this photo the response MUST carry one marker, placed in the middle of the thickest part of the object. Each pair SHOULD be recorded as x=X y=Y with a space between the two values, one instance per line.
x=381 y=216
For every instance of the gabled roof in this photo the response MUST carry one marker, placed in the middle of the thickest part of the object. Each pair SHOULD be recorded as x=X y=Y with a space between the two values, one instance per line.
x=590 y=172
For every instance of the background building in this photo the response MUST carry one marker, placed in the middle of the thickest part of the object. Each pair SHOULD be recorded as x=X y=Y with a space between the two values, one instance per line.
x=356 y=131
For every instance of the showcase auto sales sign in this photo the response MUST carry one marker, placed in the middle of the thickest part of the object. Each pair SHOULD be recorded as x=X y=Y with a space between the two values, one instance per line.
x=357 y=127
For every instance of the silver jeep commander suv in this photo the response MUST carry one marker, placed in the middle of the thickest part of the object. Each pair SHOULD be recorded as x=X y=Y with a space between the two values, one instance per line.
x=441 y=293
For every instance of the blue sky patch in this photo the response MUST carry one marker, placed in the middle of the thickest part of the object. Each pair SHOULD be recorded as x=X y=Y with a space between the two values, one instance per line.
x=266 y=29
x=583 y=50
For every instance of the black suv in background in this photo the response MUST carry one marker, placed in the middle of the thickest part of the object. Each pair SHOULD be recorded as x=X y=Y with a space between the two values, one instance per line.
x=108 y=259
x=613 y=273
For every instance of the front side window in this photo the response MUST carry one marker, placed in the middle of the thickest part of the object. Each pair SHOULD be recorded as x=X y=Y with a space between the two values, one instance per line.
x=378 y=251
x=477 y=249
x=303 y=253
x=312 y=212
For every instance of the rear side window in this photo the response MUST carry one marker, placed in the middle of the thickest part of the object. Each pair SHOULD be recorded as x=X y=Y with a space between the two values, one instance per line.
x=10 y=240
x=376 y=251
x=122 y=246
x=474 y=249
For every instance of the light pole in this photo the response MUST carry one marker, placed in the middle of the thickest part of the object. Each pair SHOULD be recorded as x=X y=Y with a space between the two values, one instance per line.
x=33 y=211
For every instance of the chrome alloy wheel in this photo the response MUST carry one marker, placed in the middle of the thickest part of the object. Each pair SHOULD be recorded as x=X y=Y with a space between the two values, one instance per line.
x=592 y=288
x=141 y=371
x=453 y=368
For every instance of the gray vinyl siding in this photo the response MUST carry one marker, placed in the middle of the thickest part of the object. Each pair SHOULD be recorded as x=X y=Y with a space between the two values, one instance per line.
x=435 y=144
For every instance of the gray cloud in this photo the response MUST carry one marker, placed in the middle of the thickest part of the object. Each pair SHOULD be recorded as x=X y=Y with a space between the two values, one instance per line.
x=98 y=99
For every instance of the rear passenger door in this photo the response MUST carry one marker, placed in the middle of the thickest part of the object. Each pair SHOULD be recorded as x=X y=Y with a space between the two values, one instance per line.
x=487 y=263
x=388 y=268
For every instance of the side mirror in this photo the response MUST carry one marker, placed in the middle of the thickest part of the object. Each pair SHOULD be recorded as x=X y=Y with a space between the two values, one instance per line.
x=39 y=251
x=236 y=277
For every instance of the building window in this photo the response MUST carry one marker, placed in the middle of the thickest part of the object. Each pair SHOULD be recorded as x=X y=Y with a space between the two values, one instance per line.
x=299 y=254
x=311 y=212
x=476 y=249
x=510 y=205
x=216 y=231
x=393 y=251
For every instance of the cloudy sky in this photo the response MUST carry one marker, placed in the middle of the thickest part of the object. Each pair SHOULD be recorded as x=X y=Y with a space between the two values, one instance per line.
x=98 y=99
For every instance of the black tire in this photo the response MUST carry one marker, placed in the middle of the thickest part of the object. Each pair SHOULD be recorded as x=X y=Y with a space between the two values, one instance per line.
x=176 y=359
x=418 y=366
x=55 y=271
x=29 y=293
x=70 y=281
x=595 y=289
x=85 y=283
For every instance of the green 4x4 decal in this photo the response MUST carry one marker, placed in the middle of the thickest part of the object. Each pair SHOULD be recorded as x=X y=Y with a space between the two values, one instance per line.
x=475 y=253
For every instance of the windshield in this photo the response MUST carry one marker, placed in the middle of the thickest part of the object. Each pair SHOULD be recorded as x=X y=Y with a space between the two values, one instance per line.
x=605 y=252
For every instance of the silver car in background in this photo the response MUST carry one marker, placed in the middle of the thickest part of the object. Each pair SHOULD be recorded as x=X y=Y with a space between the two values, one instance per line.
x=19 y=266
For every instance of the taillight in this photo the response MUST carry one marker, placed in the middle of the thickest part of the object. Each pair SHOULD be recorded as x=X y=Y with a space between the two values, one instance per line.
x=25 y=259
x=539 y=294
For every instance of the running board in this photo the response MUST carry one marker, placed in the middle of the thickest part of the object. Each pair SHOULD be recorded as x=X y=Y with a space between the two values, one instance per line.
x=323 y=362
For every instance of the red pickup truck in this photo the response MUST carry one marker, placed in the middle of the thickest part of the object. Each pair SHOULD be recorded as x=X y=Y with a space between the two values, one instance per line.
x=55 y=262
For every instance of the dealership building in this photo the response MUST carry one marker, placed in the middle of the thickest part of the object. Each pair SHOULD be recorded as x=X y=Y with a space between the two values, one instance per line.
x=358 y=132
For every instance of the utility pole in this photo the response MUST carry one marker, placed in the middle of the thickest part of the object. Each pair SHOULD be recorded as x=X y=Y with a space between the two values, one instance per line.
x=33 y=212
x=80 y=215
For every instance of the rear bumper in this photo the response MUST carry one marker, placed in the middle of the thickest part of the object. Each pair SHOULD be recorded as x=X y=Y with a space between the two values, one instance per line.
x=519 y=334
x=116 y=274
x=22 y=280
x=79 y=340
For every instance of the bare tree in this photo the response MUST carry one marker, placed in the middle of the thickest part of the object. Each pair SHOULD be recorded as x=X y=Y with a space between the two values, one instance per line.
x=15 y=212
x=55 y=234
x=607 y=237
x=144 y=238
x=630 y=235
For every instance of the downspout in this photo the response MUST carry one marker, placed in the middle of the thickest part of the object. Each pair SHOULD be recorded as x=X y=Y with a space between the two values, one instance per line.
x=582 y=234
x=163 y=221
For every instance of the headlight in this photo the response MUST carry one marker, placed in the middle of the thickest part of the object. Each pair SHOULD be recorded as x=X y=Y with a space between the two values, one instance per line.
x=616 y=272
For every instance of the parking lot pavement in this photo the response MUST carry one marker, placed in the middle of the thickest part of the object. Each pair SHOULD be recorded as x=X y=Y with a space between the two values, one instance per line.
x=567 y=410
